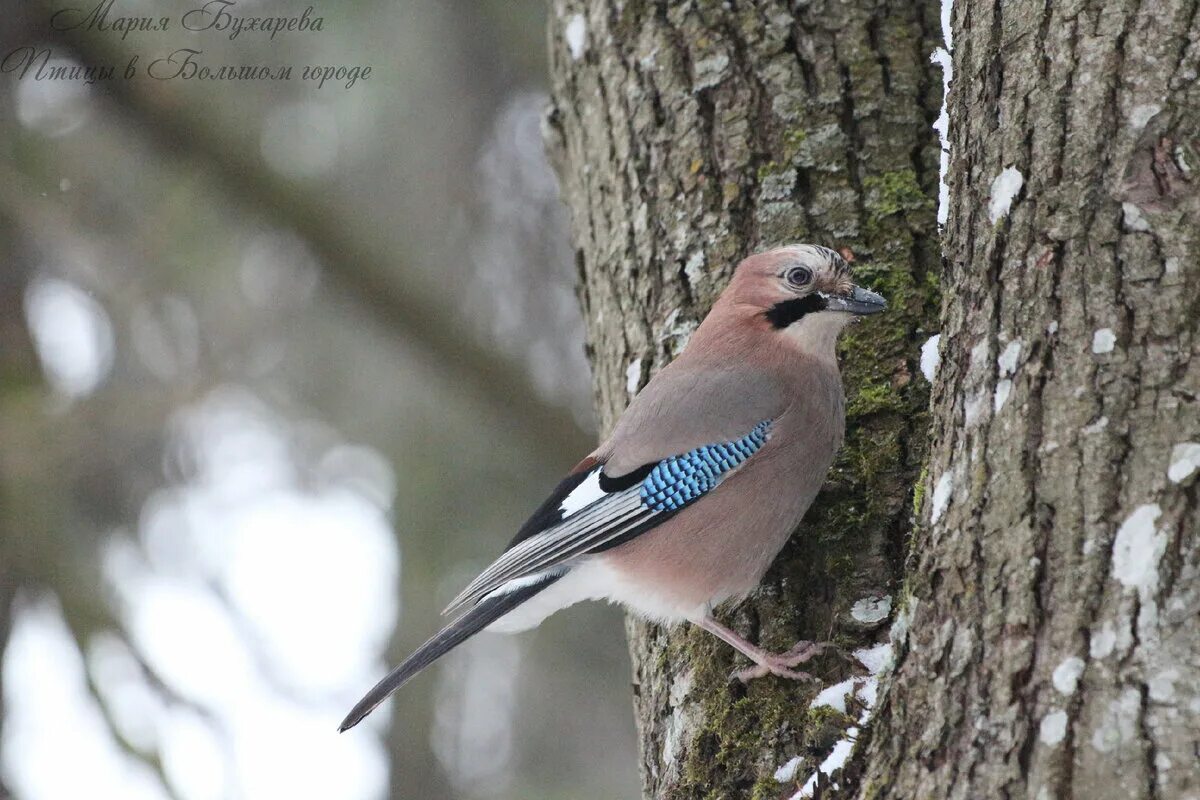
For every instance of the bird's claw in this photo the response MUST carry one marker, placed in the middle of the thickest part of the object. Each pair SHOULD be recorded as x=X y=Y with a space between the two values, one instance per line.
x=781 y=664
x=762 y=670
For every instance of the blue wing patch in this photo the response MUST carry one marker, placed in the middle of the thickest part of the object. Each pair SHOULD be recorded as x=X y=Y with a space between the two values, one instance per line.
x=626 y=506
x=674 y=482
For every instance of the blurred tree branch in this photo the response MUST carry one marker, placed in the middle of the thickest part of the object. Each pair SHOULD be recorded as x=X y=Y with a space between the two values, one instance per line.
x=153 y=761
x=362 y=270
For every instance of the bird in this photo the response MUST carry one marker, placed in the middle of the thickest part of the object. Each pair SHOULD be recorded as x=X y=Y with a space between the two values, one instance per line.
x=702 y=481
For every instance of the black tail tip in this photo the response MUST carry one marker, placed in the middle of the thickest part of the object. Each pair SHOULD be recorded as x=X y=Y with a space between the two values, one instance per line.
x=349 y=722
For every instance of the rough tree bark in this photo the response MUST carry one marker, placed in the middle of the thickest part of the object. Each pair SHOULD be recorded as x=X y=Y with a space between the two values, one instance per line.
x=1053 y=645
x=1048 y=643
x=688 y=135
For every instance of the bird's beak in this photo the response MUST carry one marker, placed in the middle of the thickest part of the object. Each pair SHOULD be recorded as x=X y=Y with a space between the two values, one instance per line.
x=860 y=301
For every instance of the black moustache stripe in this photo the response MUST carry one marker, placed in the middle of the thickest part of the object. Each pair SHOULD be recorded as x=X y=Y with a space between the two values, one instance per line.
x=783 y=314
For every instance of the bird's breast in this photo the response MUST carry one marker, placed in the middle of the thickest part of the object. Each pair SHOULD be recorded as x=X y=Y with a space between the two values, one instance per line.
x=720 y=546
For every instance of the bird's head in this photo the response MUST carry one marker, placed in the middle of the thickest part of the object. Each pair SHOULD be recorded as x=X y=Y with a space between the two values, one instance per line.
x=787 y=284
x=804 y=292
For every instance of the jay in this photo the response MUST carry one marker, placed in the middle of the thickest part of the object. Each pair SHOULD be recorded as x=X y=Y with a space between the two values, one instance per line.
x=704 y=477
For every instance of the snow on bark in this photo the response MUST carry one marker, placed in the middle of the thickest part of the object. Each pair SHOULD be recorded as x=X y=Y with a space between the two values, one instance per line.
x=1004 y=190
x=929 y=357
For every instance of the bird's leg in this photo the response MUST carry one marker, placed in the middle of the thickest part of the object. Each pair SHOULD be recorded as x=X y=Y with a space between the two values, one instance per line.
x=765 y=662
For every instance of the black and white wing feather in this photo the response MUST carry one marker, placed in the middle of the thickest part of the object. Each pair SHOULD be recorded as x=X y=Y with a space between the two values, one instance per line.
x=589 y=512
x=598 y=512
x=589 y=519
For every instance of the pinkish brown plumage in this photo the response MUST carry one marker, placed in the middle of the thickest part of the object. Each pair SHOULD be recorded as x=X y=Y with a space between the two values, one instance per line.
x=703 y=479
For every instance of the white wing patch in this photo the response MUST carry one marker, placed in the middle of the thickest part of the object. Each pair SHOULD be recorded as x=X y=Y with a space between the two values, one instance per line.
x=582 y=495
x=519 y=583
x=597 y=524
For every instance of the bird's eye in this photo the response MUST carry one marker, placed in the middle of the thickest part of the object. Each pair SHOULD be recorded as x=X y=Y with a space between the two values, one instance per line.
x=799 y=276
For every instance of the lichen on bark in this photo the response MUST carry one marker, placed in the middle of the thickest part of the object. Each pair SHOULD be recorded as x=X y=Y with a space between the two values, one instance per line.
x=688 y=135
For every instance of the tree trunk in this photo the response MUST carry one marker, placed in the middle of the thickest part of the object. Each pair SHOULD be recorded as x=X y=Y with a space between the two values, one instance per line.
x=1048 y=643
x=688 y=135
x=1053 y=646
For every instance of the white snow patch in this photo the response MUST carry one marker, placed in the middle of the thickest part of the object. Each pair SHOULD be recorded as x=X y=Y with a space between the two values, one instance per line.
x=865 y=690
x=941 y=496
x=1140 y=115
x=870 y=610
x=576 y=35
x=1004 y=189
x=930 y=358
x=1003 y=390
x=1103 y=641
x=941 y=57
x=1134 y=220
x=583 y=495
x=1138 y=548
x=835 y=761
x=1185 y=460
x=788 y=770
x=633 y=376
x=1095 y=427
x=868 y=692
x=1066 y=675
x=1007 y=362
x=834 y=696
x=1103 y=340
x=1052 y=328
x=876 y=659
x=1053 y=728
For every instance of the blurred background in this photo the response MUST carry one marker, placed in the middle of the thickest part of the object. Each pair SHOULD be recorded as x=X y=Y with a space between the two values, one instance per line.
x=282 y=366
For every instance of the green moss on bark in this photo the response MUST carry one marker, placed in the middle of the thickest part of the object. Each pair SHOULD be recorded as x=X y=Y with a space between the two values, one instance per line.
x=894 y=192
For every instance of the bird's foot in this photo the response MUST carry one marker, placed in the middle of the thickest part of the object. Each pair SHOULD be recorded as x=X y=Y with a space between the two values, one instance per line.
x=781 y=664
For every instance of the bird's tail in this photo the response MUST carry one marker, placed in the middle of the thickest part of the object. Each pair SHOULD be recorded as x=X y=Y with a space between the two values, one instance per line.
x=479 y=617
